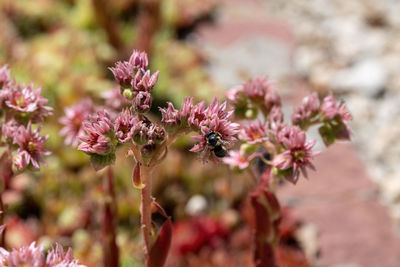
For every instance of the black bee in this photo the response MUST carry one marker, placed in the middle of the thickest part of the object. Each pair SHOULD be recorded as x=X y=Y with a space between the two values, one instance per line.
x=216 y=144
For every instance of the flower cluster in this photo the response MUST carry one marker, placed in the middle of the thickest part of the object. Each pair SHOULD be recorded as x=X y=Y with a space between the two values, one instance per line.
x=34 y=256
x=276 y=143
x=254 y=95
x=204 y=120
x=135 y=80
x=21 y=106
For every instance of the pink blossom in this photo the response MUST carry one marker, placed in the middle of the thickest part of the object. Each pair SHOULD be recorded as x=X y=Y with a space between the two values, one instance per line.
x=309 y=107
x=237 y=159
x=330 y=109
x=9 y=130
x=143 y=101
x=100 y=138
x=139 y=59
x=144 y=81
x=27 y=102
x=4 y=76
x=33 y=256
x=123 y=73
x=73 y=121
x=271 y=99
x=257 y=88
x=197 y=115
x=297 y=155
x=124 y=125
x=170 y=115
x=254 y=133
x=31 y=147
x=235 y=95
x=57 y=258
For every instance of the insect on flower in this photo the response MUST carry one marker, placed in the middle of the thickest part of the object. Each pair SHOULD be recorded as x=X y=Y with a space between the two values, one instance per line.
x=216 y=144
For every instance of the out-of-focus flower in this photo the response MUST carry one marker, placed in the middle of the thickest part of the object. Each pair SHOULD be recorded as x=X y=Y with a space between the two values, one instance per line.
x=335 y=119
x=100 y=134
x=27 y=103
x=297 y=155
x=9 y=130
x=33 y=256
x=254 y=133
x=31 y=150
x=272 y=99
x=309 y=107
x=73 y=121
x=143 y=101
x=237 y=159
x=257 y=88
x=4 y=76
x=114 y=100
x=125 y=125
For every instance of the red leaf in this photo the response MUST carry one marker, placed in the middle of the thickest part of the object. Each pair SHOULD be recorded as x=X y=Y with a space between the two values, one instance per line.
x=160 y=248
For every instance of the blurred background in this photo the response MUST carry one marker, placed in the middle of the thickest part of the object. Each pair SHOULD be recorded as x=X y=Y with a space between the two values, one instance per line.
x=346 y=214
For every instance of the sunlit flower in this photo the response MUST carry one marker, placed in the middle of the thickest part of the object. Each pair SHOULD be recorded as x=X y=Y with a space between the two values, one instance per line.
x=27 y=103
x=309 y=107
x=100 y=134
x=31 y=147
x=297 y=155
x=73 y=121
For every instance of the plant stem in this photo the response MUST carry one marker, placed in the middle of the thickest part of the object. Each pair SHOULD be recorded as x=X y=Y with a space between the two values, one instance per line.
x=145 y=209
x=110 y=248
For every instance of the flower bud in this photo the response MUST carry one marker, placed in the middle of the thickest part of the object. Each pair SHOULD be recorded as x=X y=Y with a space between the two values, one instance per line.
x=127 y=93
x=143 y=101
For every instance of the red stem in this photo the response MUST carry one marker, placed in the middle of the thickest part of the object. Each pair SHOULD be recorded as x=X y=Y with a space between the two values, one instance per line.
x=110 y=248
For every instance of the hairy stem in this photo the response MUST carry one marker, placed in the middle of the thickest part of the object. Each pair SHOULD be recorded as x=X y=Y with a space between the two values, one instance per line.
x=110 y=248
x=145 y=209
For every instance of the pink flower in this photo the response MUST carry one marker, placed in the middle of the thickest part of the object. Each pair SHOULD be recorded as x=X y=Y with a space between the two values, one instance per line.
x=254 y=133
x=309 y=107
x=33 y=256
x=24 y=256
x=329 y=109
x=9 y=130
x=143 y=101
x=271 y=99
x=297 y=155
x=139 y=59
x=100 y=138
x=144 y=81
x=27 y=102
x=4 y=76
x=213 y=118
x=123 y=73
x=31 y=148
x=170 y=115
x=73 y=121
x=57 y=258
x=125 y=125
x=237 y=159
x=257 y=88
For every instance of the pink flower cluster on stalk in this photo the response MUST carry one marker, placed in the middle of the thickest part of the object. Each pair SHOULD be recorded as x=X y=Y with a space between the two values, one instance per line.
x=34 y=256
x=286 y=145
x=21 y=106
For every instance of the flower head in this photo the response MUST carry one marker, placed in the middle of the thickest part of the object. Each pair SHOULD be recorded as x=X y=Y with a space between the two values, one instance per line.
x=27 y=103
x=100 y=138
x=297 y=155
x=237 y=159
x=139 y=59
x=73 y=121
x=123 y=73
x=9 y=130
x=31 y=147
x=143 y=101
x=309 y=107
x=330 y=109
x=57 y=258
x=4 y=76
x=124 y=125
x=114 y=100
x=254 y=133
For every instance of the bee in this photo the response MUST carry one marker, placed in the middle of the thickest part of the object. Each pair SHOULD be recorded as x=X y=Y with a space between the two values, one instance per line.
x=216 y=144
